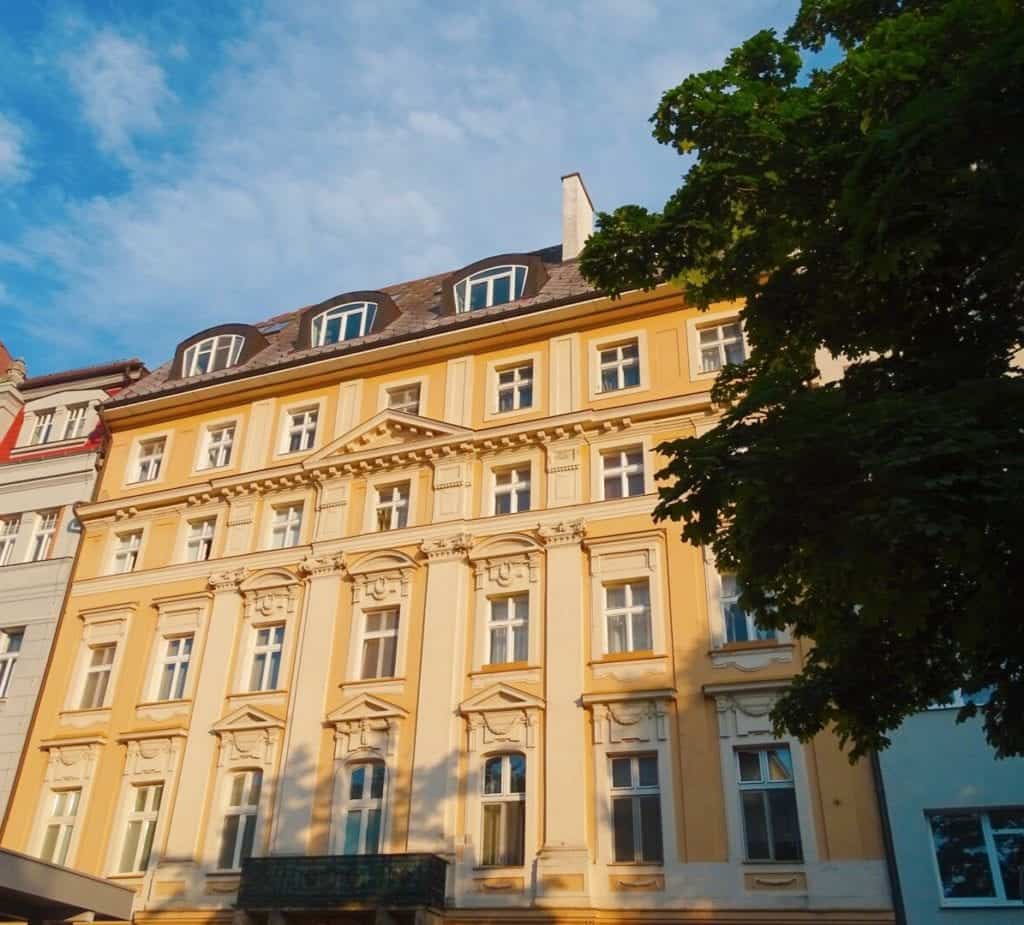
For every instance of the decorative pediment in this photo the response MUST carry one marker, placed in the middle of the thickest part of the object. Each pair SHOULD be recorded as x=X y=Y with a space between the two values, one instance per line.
x=365 y=726
x=501 y=562
x=744 y=710
x=382 y=577
x=153 y=753
x=634 y=718
x=505 y=545
x=385 y=430
x=248 y=735
x=270 y=595
x=71 y=761
x=501 y=715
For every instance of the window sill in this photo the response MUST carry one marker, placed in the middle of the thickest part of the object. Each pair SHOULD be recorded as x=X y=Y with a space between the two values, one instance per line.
x=126 y=878
x=749 y=656
x=499 y=869
x=633 y=867
x=598 y=394
x=82 y=718
x=383 y=685
x=503 y=666
x=162 y=709
x=276 y=694
x=637 y=656
x=773 y=864
x=749 y=644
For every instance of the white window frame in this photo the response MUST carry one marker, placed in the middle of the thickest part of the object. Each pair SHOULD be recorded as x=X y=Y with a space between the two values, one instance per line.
x=103 y=626
x=376 y=482
x=147 y=820
x=367 y=312
x=633 y=793
x=383 y=633
x=991 y=855
x=407 y=404
x=505 y=799
x=630 y=609
x=121 y=554
x=94 y=669
x=10 y=527
x=203 y=540
x=9 y=655
x=395 y=385
x=365 y=804
x=180 y=663
x=515 y=485
x=243 y=811
x=42 y=427
x=144 y=463
x=488 y=276
x=292 y=524
x=622 y=469
x=507 y=626
x=222 y=447
x=721 y=344
x=522 y=378
x=211 y=346
x=503 y=363
x=702 y=321
x=44 y=534
x=391 y=501
x=267 y=650
x=749 y=655
x=609 y=342
x=763 y=785
x=64 y=822
x=74 y=422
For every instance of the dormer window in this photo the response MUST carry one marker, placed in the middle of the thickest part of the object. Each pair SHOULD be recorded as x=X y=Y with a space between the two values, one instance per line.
x=212 y=354
x=493 y=286
x=343 y=322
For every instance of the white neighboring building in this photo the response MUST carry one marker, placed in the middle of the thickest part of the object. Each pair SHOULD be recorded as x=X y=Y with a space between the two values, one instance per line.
x=51 y=443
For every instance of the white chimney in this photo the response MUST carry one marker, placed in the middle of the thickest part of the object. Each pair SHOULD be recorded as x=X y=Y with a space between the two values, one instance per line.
x=577 y=215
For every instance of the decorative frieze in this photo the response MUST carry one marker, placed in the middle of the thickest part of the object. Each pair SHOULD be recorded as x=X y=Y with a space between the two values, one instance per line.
x=501 y=715
x=228 y=580
x=320 y=566
x=637 y=720
x=456 y=546
x=153 y=754
x=71 y=761
x=248 y=736
x=562 y=533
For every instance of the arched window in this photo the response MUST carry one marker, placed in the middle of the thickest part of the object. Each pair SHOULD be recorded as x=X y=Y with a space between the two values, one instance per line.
x=504 y=810
x=364 y=808
x=492 y=286
x=213 y=353
x=343 y=322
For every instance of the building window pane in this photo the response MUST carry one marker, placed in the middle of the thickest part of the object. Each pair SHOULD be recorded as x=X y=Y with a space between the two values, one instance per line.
x=266 y=658
x=980 y=854
x=636 y=809
x=620 y=367
x=97 y=677
x=144 y=811
x=721 y=344
x=393 y=506
x=504 y=810
x=199 y=544
x=512 y=490
x=515 y=387
x=10 y=646
x=126 y=551
x=405 y=398
x=623 y=472
x=286 y=528
x=739 y=625
x=10 y=526
x=174 y=668
x=508 y=629
x=60 y=825
x=768 y=799
x=364 y=808
x=493 y=286
x=380 y=644
x=239 y=830
x=302 y=429
x=74 y=426
x=628 y=617
x=343 y=322
x=212 y=354
x=41 y=543
x=219 y=443
x=150 y=459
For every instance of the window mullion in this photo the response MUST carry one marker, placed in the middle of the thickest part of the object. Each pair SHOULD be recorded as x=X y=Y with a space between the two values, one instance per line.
x=992 y=855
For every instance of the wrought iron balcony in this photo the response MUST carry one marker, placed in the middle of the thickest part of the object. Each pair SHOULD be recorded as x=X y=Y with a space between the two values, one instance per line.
x=342 y=880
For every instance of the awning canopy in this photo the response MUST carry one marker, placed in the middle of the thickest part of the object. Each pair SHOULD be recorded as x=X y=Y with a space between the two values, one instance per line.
x=34 y=890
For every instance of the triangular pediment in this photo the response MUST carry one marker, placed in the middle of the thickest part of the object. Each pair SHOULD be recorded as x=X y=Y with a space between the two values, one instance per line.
x=247 y=717
x=363 y=707
x=500 y=696
x=388 y=429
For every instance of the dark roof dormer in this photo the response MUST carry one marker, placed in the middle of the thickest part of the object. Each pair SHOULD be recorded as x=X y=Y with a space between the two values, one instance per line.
x=493 y=281
x=215 y=349
x=345 y=317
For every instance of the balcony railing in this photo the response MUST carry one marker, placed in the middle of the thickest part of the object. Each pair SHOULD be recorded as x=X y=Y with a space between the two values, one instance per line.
x=340 y=880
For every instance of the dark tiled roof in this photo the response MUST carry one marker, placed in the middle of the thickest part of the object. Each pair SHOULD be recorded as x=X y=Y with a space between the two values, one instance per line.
x=122 y=367
x=419 y=302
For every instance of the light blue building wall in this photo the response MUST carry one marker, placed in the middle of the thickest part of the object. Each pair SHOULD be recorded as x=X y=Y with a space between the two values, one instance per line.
x=932 y=765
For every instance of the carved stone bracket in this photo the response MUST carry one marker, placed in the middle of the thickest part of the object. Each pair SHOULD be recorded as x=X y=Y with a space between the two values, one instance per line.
x=562 y=533
x=227 y=581
x=319 y=566
x=456 y=546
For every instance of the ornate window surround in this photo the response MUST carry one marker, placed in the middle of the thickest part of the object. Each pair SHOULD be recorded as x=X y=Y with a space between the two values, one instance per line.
x=538 y=406
x=380 y=580
x=622 y=440
x=605 y=341
x=410 y=474
x=176 y=616
x=501 y=719
x=497 y=460
x=101 y=626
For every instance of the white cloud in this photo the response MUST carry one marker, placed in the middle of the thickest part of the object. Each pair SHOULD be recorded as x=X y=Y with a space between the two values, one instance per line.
x=342 y=147
x=13 y=163
x=121 y=87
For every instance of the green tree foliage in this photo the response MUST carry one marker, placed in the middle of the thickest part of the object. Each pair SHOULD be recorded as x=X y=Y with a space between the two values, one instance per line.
x=874 y=209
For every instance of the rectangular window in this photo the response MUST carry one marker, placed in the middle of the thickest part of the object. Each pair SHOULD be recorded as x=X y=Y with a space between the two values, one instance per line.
x=620 y=367
x=60 y=825
x=219 y=442
x=405 y=398
x=42 y=430
x=199 y=544
x=636 y=809
x=143 y=813
x=393 y=506
x=739 y=625
x=504 y=810
x=508 y=629
x=768 y=800
x=364 y=808
x=627 y=613
x=74 y=426
x=266 y=658
x=42 y=536
x=10 y=646
x=720 y=344
x=126 y=551
x=9 y=527
x=302 y=429
x=97 y=677
x=149 y=460
x=239 y=832
x=622 y=472
x=511 y=490
x=515 y=387
x=980 y=855
x=380 y=644
x=174 y=668
x=287 y=526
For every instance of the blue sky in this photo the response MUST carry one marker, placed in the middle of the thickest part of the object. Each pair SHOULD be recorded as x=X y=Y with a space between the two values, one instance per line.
x=168 y=166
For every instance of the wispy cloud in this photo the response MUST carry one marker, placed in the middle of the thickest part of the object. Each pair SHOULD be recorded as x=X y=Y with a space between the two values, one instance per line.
x=122 y=89
x=14 y=166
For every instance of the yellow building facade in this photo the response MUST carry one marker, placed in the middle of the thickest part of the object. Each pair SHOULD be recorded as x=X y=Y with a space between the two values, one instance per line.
x=371 y=621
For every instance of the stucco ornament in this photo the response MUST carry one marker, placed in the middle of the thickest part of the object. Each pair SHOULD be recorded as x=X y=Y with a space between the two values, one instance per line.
x=318 y=566
x=565 y=531
x=456 y=546
x=631 y=721
x=228 y=580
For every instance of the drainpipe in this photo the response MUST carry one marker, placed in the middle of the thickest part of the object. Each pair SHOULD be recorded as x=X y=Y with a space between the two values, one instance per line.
x=890 y=848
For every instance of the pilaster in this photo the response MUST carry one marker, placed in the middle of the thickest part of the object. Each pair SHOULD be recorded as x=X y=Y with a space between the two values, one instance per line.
x=240 y=521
